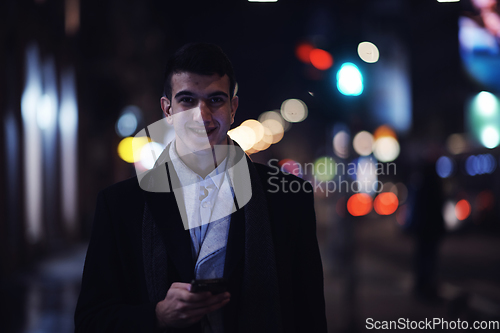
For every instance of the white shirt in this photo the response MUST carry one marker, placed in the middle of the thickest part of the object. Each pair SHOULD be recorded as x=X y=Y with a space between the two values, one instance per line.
x=206 y=199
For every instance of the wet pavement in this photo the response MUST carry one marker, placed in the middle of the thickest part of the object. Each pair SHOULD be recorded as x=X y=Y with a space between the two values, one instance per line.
x=370 y=277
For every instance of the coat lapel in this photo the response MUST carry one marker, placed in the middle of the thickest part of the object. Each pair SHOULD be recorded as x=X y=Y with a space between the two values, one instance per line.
x=165 y=212
x=235 y=247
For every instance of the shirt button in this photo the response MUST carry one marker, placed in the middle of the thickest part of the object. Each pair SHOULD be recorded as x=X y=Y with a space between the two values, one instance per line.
x=204 y=205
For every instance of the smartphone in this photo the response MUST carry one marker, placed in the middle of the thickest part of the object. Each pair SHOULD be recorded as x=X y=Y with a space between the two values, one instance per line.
x=215 y=286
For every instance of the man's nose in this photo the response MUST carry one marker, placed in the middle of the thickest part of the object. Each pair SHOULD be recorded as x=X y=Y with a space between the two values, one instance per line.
x=204 y=115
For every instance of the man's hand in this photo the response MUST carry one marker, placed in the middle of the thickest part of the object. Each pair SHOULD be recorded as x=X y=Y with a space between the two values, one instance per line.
x=182 y=308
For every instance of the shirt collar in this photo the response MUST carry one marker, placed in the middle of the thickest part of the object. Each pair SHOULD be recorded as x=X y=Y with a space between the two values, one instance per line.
x=188 y=176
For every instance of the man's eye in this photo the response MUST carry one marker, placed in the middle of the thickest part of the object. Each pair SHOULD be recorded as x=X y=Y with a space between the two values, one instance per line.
x=186 y=100
x=217 y=100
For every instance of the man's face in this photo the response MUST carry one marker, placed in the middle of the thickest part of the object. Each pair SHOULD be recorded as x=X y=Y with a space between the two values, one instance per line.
x=201 y=111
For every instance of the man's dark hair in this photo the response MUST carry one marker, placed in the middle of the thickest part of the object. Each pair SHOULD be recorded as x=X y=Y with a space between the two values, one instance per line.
x=201 y=59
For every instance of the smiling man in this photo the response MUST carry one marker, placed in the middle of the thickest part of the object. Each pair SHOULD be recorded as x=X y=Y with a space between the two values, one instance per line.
x=202 y=242
x=201 y=109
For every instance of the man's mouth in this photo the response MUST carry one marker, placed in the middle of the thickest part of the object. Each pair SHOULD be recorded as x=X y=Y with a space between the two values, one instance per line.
x=202 y=131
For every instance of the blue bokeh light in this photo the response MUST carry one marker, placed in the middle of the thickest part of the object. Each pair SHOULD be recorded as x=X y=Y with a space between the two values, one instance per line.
x=444 y=167
x=349 y=80
x=480 y=164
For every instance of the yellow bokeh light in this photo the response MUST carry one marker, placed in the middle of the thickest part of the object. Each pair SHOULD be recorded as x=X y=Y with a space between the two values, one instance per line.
x=382 y=131
x=294 y=110
x=245 y=136
x=386 y=149
x=276 y=115
x=256 y=127
x=456 y=143
x=125 y=150
x=251 y=151
x=266 y=141
x=268 y=136
x=276 y=129
x=261 y=145
x=129 y=148
x=368 y=52
x=363 y=143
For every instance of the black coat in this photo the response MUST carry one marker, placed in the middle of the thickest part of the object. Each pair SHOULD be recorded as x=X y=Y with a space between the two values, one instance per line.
x=114 y=295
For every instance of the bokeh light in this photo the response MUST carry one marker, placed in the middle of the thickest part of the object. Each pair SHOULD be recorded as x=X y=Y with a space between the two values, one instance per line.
x=324 y=168
x=384 y=131
x=402 y=192
x=386 y=203
x=302 y=52
x=150 y=153
x=363 y=143
x=265 y=142
x=389 y=187
x=276 y=115
x=244 y=136
x=487 y=103
x=341 y=142
x=137 y=144
x=251 y=151
x=444 y=167
x=462 y=209
x=368 y=52
x=294 y=110
x=402 y=215
x=366 y=175
x=128 y=121
x=46 y=113
x=456 y=144
x=129 y=148
x=290 y=166
x=125 y=150
x=386 y=149
x=349 y=80
x=483 y=119
x=487 y=163
x=450 y=219
x=359 y=204
x=256 y=127
x=126 y=124
x=321 y=59
x=275 y=127
x=490 y=138
x=480 y=164
x=470 y=166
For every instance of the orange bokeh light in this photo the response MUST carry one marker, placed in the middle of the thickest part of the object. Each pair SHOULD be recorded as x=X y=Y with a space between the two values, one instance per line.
x=386 y=203
x=321 y=59
x=384 y=131
x=462 y=209
x=303 y=51
x=359 y=204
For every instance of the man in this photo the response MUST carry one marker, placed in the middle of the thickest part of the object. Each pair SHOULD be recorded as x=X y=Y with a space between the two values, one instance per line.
x=192 y=217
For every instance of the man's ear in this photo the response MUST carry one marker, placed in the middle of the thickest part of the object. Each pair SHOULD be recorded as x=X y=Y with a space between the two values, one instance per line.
x=234 y=107
x=167 y=109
